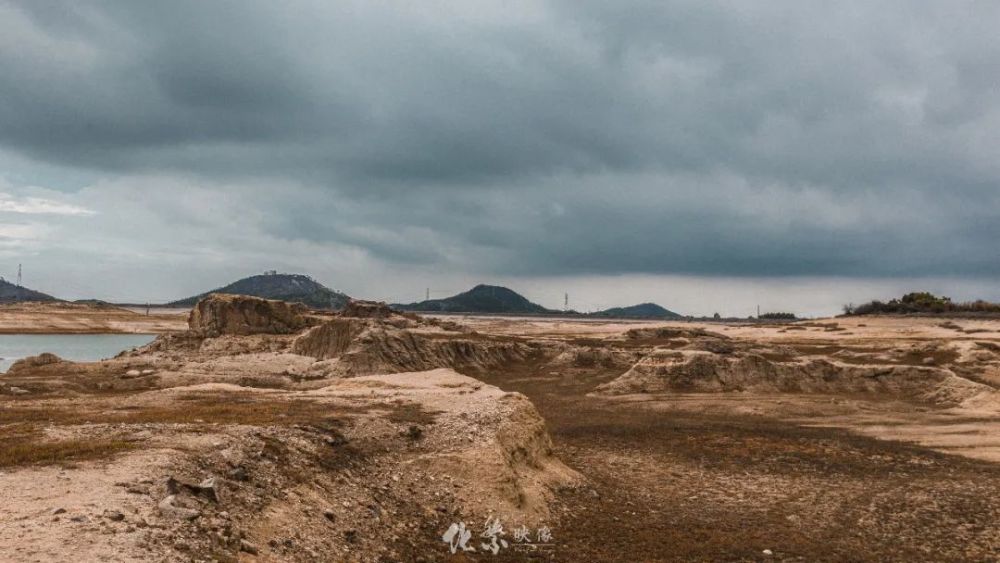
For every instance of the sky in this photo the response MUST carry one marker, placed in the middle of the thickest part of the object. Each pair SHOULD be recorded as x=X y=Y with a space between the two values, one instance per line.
x=711 y=156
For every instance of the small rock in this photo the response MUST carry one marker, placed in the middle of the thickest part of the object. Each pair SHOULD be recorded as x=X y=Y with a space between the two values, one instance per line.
x=148 y=371
x=206 y=488
x=17 y=390
x=59 y=511
x=351 y=536
x=170 y=510
x=114 y=515
x=131 y=373
x=329 y=515
x=248 y=547
x=239 y=474
x=767 y=552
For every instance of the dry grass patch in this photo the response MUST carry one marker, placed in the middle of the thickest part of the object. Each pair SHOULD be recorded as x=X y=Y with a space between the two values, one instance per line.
x=186 y=409
x=26 y=445
x=228 y=408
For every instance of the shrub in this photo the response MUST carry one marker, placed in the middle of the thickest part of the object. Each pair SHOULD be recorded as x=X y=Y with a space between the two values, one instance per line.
x=921 y=302
x=778 y=316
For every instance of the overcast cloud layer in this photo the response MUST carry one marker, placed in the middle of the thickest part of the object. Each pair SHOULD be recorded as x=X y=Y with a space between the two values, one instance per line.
x=388 y=146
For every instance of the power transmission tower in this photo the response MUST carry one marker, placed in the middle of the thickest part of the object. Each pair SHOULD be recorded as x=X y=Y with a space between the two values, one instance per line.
x=565 y=302
x=428 y=298
x=18 y=275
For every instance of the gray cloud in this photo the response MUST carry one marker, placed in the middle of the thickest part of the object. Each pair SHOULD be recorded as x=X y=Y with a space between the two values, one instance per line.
x=789 y=138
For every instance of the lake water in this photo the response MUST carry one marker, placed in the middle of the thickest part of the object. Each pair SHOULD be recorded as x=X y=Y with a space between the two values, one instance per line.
x=77 y=347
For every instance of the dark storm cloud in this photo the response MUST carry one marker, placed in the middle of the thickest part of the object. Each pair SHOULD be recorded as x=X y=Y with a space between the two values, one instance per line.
x=778 y=138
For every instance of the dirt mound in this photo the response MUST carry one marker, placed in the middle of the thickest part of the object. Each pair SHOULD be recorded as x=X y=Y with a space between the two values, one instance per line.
x=366 y=469
x=667 y=332
x=220 y=314
x=330 y=339
x=361 y=346
x=577 y=356
x=32 y=362
x=701 y=371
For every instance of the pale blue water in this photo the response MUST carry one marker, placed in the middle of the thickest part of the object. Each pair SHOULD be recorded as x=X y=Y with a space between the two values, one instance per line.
x=77 y=347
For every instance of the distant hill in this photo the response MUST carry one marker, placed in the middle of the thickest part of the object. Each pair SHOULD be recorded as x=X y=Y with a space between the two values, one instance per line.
x=286 y=287
x=480 y=299
x=640 y=311
x=10 y=293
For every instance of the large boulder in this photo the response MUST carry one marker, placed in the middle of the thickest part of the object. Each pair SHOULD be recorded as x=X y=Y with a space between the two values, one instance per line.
x=242 y=315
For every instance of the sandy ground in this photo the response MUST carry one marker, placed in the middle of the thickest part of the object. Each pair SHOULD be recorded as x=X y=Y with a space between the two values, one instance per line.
x=841 y=328
x=757 y=475
x=69 y=318
x=862 y=439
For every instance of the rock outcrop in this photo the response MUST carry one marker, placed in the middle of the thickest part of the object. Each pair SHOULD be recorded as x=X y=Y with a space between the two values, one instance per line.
x=241 y=315
x=367 y=310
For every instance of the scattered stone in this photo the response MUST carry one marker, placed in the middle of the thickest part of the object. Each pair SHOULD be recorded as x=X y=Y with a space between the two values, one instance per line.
x=248 y=547
x=17 y=390
x=206 y=488
x=239 y=473
x=114 y=515
x=767 y=552
x=137 y=489
x=170 y=510
x=329 y=515
x=59 y=511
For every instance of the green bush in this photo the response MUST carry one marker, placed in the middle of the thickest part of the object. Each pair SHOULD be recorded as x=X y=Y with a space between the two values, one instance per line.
x=921 y=302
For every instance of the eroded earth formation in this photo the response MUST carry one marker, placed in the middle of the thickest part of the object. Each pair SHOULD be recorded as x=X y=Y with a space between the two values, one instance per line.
x=270 y=432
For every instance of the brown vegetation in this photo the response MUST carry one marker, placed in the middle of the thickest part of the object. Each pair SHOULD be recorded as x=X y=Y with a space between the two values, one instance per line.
x=22 y=444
